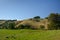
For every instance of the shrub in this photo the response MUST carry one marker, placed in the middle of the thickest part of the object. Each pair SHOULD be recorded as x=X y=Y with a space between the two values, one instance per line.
x=53 y=26
x=42 y=27
x=24 y=26
x=11 y=25
x=36 y=18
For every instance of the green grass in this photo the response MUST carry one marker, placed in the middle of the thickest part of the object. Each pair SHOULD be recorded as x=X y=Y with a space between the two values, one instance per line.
x=26 y=34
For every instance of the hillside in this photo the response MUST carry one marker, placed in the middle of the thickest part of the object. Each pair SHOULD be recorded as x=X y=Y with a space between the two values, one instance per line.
x=51 y=22
x=32 y=23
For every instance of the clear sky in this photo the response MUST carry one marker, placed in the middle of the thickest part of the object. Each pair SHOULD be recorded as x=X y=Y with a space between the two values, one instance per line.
x=23 y=9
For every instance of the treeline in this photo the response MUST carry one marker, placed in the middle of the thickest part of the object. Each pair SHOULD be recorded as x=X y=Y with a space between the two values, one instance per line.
x=7 y=24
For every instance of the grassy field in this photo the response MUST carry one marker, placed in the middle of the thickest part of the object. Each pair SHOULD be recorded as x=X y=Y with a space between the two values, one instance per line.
x=26 y=34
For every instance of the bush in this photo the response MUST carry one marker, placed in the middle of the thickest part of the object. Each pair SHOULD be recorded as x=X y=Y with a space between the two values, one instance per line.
x=42 y=27
x=53 y=26
x=24 y=26
x=11 y=25
x=27 y=26
x=50 y=27
x=36 y=18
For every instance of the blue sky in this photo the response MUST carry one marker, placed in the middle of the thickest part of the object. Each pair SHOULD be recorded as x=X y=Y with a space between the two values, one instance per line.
x=24 y=9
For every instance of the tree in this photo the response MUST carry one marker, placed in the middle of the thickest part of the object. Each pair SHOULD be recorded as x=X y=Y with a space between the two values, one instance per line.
x=54 y=19
x=46 y=17
x=11 y=25
x=37 y=18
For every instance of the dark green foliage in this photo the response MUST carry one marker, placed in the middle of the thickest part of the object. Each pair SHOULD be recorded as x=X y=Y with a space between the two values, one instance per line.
x=52 y=17
x=54 y=20
x=21 y=26
x=24 y=26
x=36 y=18
x=7 y=24
x=42 y=27
x=51 y=26
x=11 y=25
